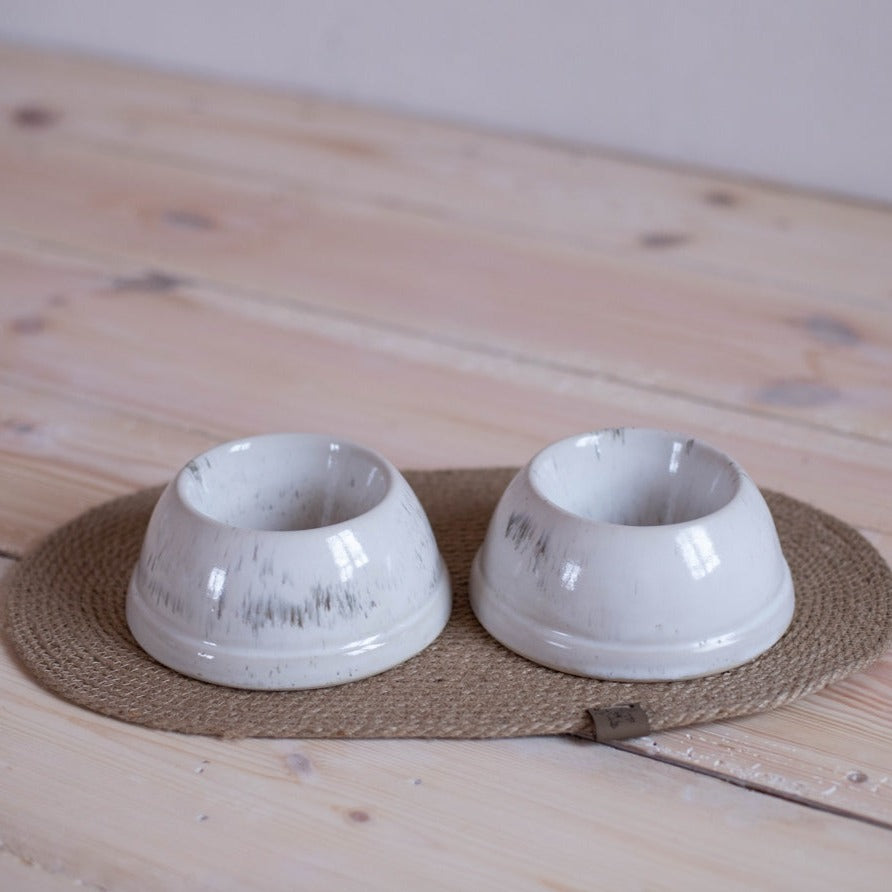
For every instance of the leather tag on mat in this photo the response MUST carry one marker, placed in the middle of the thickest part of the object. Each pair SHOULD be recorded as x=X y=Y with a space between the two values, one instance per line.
x=65 y=619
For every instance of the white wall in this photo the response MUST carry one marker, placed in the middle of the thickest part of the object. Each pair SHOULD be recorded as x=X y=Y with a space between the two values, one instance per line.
x=796 y=91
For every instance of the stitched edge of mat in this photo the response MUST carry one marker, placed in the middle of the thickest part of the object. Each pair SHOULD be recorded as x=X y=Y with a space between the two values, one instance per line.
x=65 y=619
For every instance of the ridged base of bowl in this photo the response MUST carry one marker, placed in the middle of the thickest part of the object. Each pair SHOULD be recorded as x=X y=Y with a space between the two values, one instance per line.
x=290 y=669
x=613 y=660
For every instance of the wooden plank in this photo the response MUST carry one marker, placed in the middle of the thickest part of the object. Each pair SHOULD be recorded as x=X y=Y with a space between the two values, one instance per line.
x=29 y=876
x=830 y=749
x=825 y=361
x=124 y=342
x=565 y=194
x=60 y=455
x=811 y=750
x=174 y=296
x=97 y=411
x=276 y=814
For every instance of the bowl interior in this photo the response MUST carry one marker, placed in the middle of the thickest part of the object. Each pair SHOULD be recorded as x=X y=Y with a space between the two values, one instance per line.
x=284 y=482
x=635 y=477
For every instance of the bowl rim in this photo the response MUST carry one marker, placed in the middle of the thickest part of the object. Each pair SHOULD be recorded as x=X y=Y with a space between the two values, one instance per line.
x=390 y=472
x=740 y=481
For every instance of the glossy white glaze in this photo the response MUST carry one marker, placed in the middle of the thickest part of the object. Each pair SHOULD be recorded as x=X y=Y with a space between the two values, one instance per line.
x=287 y=561
x=633 y=554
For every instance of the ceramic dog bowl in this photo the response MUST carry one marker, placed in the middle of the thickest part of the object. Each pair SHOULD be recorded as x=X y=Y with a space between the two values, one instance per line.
x=636 y=555
x=287 y=561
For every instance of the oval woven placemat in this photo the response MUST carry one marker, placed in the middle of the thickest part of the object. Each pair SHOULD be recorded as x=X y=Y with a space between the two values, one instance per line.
x=65 y=619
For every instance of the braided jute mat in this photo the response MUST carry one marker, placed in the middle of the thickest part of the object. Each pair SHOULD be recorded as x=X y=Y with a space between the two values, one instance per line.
x=65 y=619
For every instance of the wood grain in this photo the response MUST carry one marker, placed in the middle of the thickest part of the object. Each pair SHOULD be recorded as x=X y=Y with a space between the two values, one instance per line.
x=192 y=812
x=738 y=344
x=185 y=261
x=567 y=195
x=830 y=750
x=424 y=403
x=802 y=751
x=29 y=876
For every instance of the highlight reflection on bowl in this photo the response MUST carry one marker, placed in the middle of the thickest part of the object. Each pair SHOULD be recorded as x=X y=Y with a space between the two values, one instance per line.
x=287 y=561
x=633 y=554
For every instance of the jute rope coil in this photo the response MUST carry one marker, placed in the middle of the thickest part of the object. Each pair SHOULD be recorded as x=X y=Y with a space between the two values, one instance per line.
x=65 y=619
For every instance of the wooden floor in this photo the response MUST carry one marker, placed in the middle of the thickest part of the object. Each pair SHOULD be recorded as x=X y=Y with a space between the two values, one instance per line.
x=183 y=262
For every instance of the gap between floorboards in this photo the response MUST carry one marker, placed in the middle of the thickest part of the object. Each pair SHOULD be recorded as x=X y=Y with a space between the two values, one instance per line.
x=63 y=251
x=755 y=788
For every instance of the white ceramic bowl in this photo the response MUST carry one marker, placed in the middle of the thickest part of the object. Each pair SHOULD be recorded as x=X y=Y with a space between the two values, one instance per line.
x=633 y=554
x=287 y=561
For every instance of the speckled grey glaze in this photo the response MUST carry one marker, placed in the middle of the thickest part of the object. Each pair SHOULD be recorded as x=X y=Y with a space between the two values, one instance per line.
x=287 y=561
x=633 y=554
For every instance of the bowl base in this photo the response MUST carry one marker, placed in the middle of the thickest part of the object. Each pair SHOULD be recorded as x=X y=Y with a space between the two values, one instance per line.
x=612 y=660
x=295 y=669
